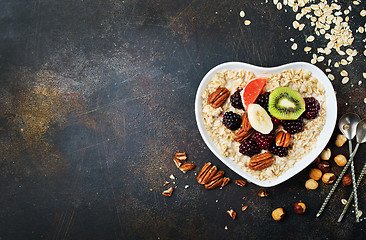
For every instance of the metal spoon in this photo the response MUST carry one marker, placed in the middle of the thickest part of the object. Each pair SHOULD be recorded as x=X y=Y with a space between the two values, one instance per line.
x=361 y=138
x=347 y=124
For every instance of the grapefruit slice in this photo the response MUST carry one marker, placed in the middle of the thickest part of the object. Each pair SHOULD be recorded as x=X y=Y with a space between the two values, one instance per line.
x=252 y=91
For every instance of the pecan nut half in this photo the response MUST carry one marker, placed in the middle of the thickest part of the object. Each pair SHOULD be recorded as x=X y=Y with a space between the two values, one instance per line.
x=206 y=173
x=283 y=139
x=186 y=167
x=245 y=124
x=217 y=98
x=181 y=156
x=241 y=135
x=261 y=161
x=240 y=182
x=214 y=183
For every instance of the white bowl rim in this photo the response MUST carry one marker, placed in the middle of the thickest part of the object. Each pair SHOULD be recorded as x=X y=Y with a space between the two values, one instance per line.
x=323 y=139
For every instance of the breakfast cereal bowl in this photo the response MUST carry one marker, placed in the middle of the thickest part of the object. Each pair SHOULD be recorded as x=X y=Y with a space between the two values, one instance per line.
x=305 y=146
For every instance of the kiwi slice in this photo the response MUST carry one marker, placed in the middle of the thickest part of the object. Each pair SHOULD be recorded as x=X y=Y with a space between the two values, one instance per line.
x=286 y=104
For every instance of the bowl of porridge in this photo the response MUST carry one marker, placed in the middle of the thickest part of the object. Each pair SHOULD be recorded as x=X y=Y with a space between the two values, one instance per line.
x=265 y=159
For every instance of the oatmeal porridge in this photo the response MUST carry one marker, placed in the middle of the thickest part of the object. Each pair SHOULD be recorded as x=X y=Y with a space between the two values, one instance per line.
x=225 y=139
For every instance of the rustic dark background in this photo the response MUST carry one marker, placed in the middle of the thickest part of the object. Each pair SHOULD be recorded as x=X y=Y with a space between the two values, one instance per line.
x=96 y=98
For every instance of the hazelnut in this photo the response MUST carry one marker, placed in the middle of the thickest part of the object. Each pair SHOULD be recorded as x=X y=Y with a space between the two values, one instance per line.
x=326 y=153
x=315 y=174
x=341 y=139
x=278 y=214
x=316 y=162
x=299 y=207
x=347 y=180
x=328 y=178
x=324 y=166
x=311 y=184
x=340 y=160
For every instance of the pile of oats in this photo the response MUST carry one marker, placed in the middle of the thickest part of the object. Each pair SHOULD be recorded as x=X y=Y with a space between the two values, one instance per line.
x=328 y=20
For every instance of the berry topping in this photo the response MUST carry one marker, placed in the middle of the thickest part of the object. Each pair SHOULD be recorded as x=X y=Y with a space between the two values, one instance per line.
x=235 y=100
x=278 y=150
x=262 y=100
x=231 y=120
x=263 y=140
x=249 y=147
x=277 y=121
x=312 y=108
x=293 y=126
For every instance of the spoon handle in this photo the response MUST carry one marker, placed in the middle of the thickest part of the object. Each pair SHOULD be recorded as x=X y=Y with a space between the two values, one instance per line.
x=363 y=171
x=337 y=182
x=354 y=182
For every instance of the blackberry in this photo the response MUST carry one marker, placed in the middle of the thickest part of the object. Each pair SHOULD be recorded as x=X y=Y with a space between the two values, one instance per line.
x=249 y=147
x=235 y=100
x=263 y=140
x=278 y=150
x=312 y=108
x=277 y=121
x=262 y=100
x=293 y=126
x=231 y=120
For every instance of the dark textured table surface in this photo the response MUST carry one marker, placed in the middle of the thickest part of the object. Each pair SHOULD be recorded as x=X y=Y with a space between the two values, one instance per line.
x=97 y=96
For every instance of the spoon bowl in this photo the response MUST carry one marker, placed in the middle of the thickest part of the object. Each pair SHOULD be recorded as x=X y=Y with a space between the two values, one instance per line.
x=361 y=131
x=348 y=124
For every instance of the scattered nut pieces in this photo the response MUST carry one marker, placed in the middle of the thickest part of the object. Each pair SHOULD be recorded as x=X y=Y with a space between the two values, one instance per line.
x=340 y=160
x=172 y=177
x=168 y=192
x=278 y=214
x=324 y=166
x=243 y=208
x=325 y=155
x=315 y=174
x=177 y=162
x=186 y=167
x=263 y=193
x=328 y=178
x=283 y=139
x=341 y=139
x=226 y=180
x=299 y=208
x=311 y=184
x=240 y=182
x=343 y=201
x=231 y=213
x=347 y=180
x=181 y=156
x=166 y=183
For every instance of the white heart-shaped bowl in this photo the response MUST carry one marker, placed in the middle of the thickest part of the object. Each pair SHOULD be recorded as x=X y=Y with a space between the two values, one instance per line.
x=326 y=133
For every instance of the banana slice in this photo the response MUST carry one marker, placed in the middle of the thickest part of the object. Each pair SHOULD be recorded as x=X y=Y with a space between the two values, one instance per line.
x=259 y=118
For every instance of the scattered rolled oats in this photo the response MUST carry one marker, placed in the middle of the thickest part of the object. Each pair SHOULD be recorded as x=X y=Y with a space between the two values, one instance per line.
x=242 y=14
x=344 y=73
x=328 y=70
x=294 y=46
x=307 y=49
x=344 y=62
x=247 y=22
x=320 y=59
x=331 y=76
x=363 y=13
x=345 y=80
x=310 y=38
x=364 y=75
x=344 y=201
